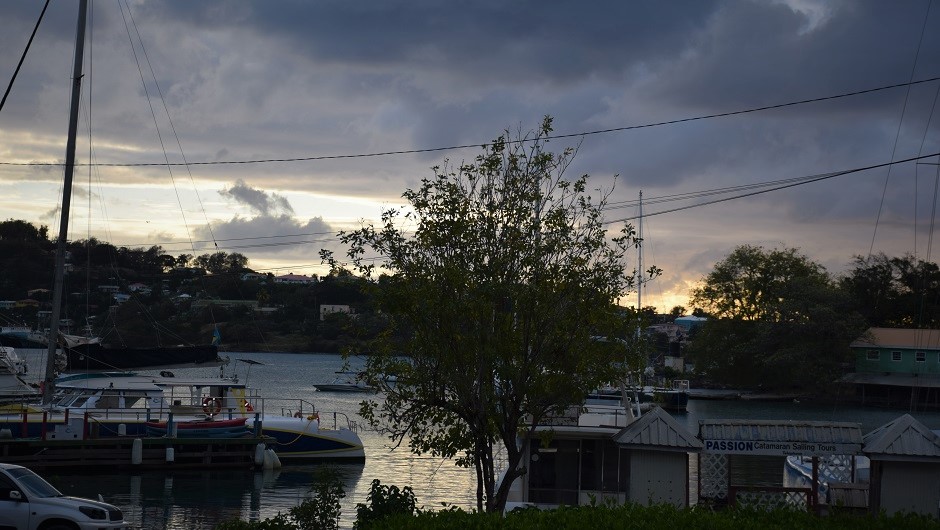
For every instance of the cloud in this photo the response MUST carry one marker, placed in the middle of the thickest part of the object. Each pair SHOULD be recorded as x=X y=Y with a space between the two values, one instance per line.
x=249 y=81
x=261 y=202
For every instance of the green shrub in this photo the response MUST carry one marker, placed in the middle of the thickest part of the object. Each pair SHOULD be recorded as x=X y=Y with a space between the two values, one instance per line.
x=318 y=513
x=383 y=502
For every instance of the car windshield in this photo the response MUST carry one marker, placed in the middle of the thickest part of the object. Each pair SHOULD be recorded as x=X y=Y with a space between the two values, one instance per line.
x=34 y=484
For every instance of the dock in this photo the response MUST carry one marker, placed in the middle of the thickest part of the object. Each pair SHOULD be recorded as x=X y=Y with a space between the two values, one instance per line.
x=159 y=453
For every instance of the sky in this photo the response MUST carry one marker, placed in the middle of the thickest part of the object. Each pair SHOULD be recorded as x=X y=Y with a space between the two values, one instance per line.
x=214 y=81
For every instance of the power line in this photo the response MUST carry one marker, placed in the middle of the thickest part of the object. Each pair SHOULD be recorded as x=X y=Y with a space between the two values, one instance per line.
x=824 y=176
x=23 y=57
x=477 y=145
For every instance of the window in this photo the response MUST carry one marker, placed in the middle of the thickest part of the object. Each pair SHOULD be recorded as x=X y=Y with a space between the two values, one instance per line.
x=895 y=356
x=874 y=355
x=553 y=472
x=920 y=357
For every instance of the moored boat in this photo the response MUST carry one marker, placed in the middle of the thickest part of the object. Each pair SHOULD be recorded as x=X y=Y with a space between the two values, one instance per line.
x=345 y=382
x=123 y=404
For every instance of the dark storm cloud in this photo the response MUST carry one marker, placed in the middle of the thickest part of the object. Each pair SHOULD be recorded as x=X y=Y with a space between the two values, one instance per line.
x=261 y=80
x=484 y=40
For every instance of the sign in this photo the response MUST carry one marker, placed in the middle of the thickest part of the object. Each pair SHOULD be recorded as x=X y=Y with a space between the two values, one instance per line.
x=780 y=448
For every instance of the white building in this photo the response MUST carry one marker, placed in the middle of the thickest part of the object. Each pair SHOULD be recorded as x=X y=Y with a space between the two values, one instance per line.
x=326 y=309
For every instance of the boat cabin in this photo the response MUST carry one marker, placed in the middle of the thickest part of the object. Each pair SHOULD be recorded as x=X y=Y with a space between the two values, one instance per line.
x=153 y=393
x=604 y=454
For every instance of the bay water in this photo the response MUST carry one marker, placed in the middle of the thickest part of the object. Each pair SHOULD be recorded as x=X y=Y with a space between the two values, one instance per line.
x=201 y=499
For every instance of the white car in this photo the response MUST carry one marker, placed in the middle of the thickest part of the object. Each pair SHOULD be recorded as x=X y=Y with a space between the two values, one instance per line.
x=28 y=502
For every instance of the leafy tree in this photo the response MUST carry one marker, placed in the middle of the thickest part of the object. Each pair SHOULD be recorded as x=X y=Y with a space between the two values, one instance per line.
x=895 y=292
x=507 y=276
x=781 y=321
x=756 y=284
x=220 y=262
x=17 y=230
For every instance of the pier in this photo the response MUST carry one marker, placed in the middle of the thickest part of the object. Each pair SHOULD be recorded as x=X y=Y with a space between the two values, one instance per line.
x=110 y=454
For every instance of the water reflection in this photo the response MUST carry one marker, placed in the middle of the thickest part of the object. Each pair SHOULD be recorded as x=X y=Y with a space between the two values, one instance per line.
x=201 y=499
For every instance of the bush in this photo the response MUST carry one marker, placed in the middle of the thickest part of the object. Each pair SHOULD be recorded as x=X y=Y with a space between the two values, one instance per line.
x=320 y=512
x=384 y=501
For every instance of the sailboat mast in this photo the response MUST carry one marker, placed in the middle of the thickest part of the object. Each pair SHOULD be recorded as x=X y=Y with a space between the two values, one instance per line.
x=639 y=259
x=58 y=282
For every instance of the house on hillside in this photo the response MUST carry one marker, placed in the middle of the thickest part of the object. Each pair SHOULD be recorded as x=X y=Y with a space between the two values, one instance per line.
x=301 y=279
x=896 y=366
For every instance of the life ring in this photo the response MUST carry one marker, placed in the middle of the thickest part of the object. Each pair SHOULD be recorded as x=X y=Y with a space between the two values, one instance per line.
x=314 y=416
x=211 y=405
x=248 y=407
x=298 y=414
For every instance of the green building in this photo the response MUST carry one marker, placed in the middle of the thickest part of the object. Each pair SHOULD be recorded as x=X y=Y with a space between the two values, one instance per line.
x=898 y=367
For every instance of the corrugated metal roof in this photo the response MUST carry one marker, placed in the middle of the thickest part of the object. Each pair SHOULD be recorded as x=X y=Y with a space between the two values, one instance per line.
x=658 y=429
x=781 y=431
x=924 y=339
x=904 y=436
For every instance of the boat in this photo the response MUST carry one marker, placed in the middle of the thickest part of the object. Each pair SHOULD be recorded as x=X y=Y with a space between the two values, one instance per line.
x=839 y=469
x=674 y=397
x=604 y=454
x=204 y=428
x=345 y=382
x=130 y=404
x=13 y=386
x=22 y=337
x=122 y=404
x=94 y=356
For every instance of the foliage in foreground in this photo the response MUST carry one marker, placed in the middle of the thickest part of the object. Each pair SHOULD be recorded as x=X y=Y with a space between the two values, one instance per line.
x=628 y=516
x=320 y=512
x=649 y=518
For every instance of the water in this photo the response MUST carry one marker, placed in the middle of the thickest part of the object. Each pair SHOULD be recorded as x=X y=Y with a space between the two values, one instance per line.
x=201 y=499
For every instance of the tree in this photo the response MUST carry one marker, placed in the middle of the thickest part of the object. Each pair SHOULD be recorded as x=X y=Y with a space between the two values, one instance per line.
x=499 y=291
x=778 y=321
x=677 y=311
x=756 y=284
x=15 y=229
x=220 y=262
x=895 y=292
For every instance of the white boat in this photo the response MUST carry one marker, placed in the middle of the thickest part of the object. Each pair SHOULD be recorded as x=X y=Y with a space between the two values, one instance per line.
x=345 y=382
x=13 y=386
x=841 y=469
x=122 y=404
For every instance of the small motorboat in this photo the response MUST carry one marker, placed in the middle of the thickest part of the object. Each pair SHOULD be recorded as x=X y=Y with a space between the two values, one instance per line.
x=345 y=382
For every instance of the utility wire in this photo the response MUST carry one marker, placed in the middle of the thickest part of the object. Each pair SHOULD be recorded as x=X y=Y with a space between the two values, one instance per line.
x=897 y=136
x=477 y=145
x=824 y=176
x=23 y=57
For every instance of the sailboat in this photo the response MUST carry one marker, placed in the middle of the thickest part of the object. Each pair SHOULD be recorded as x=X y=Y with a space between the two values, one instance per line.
x=63 y=355
x=674 y=397
x=123 y=404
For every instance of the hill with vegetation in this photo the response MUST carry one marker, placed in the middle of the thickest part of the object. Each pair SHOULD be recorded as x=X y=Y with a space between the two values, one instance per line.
x=146 y=296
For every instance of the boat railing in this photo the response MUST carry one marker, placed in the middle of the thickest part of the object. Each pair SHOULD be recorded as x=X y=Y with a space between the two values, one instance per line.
x=302 y=408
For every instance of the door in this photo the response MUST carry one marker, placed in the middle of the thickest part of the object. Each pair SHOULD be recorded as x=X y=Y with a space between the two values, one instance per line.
x=14 y=509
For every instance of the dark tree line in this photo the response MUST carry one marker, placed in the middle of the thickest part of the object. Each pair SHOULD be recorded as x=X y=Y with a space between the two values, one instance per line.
x=779 y=320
